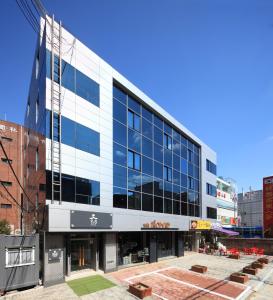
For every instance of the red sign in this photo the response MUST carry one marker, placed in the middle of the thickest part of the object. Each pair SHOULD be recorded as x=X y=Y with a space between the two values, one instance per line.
x=268 y=206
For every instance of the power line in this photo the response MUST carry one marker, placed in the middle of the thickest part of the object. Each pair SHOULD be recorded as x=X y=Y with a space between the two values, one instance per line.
x=11 y=196
x=26 y=16
x=30 y=13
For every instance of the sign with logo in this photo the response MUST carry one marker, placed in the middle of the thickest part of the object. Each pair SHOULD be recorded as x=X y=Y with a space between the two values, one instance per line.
x=200 y=225
x=268 y=206
x=90 y=220
x=223 y=195
x=54 y=255
x=157 y=224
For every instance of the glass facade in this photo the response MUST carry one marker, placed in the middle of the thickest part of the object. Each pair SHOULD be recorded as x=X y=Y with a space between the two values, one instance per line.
x=155 y=167
x=76 y=189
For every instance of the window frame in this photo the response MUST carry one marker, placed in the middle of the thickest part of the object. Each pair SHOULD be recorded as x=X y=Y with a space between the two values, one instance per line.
x=20 y=251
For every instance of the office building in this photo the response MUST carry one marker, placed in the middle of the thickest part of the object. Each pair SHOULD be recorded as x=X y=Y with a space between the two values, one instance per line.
x=124 y=179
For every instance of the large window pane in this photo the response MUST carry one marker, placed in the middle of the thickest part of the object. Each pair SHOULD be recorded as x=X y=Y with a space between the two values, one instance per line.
x=176 y=135
x=120 y=95
x=147 y=147
x=176 y=147
x=168 y=190
x=158 y=136
x=134 y=180
x=130 y=159
x=176 y=207
x=158 y=153
x=120 y=176
x=119 y=155
x=176 y=192
x=184 y=180
x=68 y=188
x=168 y=206
x=158 y=170
x=147 y=166
x=158 y=187
x=176 y=162
x=147 y=114
x=147 y=184
x=133 y=105
x=184 y=166
x=168 y=157
x=184 y=195
x=119 y=198
x=120 y=133
x=184 y=209
x=147 y=202
x=119 y=111
x=184 y=152
x=158 y=204
x=190 y=169
x=176 y=177
x=158 y=122
x=134 y=140
x=130 y=119
x=147 y=129
x=168 y=129
x=134 y=200
x=87 y=88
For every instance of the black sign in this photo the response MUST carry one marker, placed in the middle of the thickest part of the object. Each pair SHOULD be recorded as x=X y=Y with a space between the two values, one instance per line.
x=54 y=255
x=90 y=220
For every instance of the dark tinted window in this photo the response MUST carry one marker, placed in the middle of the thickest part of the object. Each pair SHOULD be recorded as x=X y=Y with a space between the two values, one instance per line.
x=168 y=129
x=119 y=198
x=147 y=202
x=168 y=189
x=134 y=200
x=147 y=166
x=158 y=204
x=168 y=206
x=176 y=162
x=158 y=170
x=147 y=184
x=158 y=187
x=211 y=212
x=176 y=207
x=134 y=180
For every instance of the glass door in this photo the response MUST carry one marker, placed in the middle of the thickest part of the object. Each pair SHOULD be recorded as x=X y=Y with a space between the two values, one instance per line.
x=80 y=255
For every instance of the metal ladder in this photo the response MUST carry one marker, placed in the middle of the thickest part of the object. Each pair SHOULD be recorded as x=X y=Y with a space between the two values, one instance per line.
x=56 y=118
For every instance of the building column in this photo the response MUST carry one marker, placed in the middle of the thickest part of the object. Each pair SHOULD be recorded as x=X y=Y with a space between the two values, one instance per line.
x=179 y=244
x=94 y=253
x=110 y=251
x=68 y=255
x=152 y=247
x=196 y=241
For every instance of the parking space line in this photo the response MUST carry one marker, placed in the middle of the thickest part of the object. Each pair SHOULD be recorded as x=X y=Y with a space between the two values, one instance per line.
x=196 y=287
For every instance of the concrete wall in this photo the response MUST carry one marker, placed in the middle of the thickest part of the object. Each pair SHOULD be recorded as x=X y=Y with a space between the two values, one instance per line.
x=54 y=271
x=110 y=252
x=266 y=244
x=20 y=276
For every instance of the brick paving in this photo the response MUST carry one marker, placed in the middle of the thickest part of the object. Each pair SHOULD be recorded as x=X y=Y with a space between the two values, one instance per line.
x=219 y=268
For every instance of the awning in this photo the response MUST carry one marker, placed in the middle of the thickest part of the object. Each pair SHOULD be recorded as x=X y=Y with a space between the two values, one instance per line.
x=225 y=231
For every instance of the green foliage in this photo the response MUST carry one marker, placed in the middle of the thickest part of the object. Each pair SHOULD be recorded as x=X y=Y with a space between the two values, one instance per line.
x=4 y=227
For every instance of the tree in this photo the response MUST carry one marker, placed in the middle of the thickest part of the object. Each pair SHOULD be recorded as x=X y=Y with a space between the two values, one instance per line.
x=4 y=227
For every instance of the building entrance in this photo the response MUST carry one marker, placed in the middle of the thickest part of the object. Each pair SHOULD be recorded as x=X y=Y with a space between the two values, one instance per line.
x=81 y=254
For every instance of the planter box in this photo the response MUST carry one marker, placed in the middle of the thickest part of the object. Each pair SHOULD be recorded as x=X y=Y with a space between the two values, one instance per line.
x=257 y=265
x=234 y=256
x=263 y=260
x=140 y=290
x=199 y=269
x=250 y=270
x=239 y=277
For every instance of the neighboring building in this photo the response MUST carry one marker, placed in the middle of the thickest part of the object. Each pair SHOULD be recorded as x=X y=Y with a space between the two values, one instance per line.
x=250 y=209
x=123 y=177
x=11 y=136
x=226 y=202
x=268 y=206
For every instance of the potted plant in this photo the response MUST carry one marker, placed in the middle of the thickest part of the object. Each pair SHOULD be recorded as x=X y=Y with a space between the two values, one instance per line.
x=239 y=277
x=140 y=290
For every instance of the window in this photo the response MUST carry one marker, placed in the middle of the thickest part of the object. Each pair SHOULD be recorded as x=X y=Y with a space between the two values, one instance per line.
x=133 y=105
x=87 y=191
x=211 y=167
x=133 y=120
x=37 y=110
x=147 y=147
x=120 y=155
x=6 y=205
x=134 y=200
x=119 y=197
x=6 y=160
x=167 y=174
x=211 y=190
x=119 y=111
x=120 y=133
x=147 y=114
x=133 y=160
x=190 y=155
x=147 y=202
x=20 y=256
x=190 y=183
x=37 y=160
x=134 y=140
x=147 y=129
x=147 y=165
x=6 y=183
x=120 y=178
x=119 y=95
x=167 y=141
x=211 y=213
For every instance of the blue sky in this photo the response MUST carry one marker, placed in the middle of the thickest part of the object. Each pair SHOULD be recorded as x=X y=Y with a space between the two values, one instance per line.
x=207 y=62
